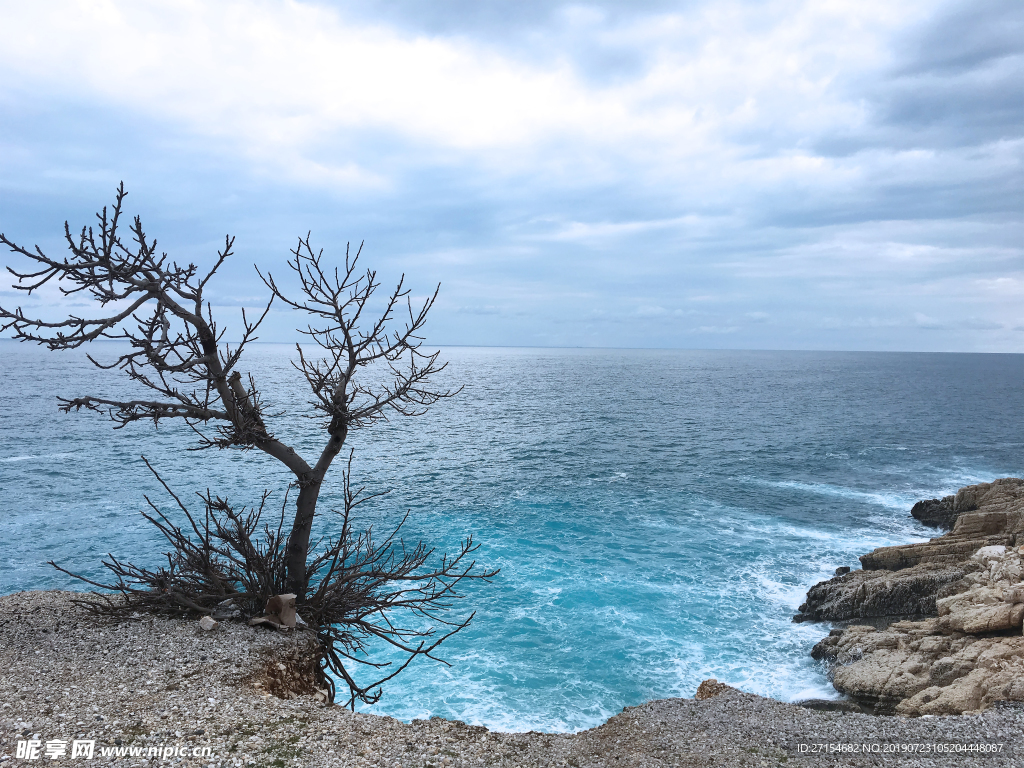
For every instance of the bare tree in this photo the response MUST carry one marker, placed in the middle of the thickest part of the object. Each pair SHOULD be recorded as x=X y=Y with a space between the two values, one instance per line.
x=177 y=351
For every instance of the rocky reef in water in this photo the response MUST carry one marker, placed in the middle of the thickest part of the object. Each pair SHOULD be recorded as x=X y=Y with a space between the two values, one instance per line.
x=934 y=627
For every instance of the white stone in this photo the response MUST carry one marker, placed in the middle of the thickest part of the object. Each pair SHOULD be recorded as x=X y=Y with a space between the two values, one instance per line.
x=989 y=553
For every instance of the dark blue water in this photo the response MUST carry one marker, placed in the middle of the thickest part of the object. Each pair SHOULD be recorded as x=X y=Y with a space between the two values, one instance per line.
x=657 y=515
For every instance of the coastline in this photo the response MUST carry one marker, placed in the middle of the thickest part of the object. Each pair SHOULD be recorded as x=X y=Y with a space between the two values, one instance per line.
x=933 y=628
x=247 y=696
x=239 y=696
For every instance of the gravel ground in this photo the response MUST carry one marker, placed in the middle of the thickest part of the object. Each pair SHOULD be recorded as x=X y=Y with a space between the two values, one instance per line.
x=245 y=696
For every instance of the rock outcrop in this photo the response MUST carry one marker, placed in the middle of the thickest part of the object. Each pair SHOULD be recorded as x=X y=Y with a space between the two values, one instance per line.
x=987 y=514
x=711 y=688
x=905 y=581
x=135 y=686
x=917 y=668
x=873 y=594
x=989 y=600
x=965 y=651
x=935 y=513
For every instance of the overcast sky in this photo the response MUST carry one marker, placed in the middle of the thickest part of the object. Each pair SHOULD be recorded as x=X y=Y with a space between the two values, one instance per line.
x=774 y=175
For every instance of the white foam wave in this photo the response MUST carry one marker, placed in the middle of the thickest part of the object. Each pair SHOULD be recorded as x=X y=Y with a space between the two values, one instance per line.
x=954 y=481
x=789 y=596
x=814 y=692
x=12 y=459
x=902 y=501
x=873 y=448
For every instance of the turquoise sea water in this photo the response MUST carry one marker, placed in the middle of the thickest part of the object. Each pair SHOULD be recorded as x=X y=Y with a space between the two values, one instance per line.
x=657 y=515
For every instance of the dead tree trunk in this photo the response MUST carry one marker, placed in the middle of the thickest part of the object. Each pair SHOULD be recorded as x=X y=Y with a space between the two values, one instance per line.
x=351 y=589
x=177 y=352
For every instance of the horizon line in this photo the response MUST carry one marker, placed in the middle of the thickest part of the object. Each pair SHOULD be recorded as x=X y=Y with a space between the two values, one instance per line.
x=626 y=349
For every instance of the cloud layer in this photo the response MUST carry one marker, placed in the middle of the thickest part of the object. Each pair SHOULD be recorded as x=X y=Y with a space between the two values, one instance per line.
x=692 y=174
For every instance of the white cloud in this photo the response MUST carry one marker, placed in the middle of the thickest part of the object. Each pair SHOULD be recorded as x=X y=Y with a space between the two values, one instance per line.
x=725 y=155
x=279 y=77
x=931 y=323
x=649 y=311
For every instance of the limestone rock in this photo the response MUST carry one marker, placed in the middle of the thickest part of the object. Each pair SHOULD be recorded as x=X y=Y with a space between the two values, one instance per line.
x=935 y=513
x=915 y=668
x=867 y=594
x=989 y=600
x=985 y=618
x=831 y=705
x=987 y=514
x=906 y=580
x=207 y=623
x=971 y=654
x=945 y=665
x=950 y=549
x=711 y=688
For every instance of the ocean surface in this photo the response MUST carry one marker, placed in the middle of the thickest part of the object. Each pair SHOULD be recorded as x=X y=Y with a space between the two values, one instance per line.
x=657 y=515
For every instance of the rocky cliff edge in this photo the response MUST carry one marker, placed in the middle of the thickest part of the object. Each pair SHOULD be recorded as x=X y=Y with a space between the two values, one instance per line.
x=953 y=606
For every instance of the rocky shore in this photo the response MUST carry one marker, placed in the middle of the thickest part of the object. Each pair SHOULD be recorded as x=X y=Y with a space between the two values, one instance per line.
x=239 y=696
x=930 y=629
x=933 y=628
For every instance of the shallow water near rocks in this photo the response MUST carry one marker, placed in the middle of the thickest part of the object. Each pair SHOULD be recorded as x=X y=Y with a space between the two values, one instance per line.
x=657 y=515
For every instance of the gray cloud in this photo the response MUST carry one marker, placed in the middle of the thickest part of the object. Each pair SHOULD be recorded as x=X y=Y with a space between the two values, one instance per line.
x=496 y=20
x=955 y=82
x=965 y=36
x=896 y=192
